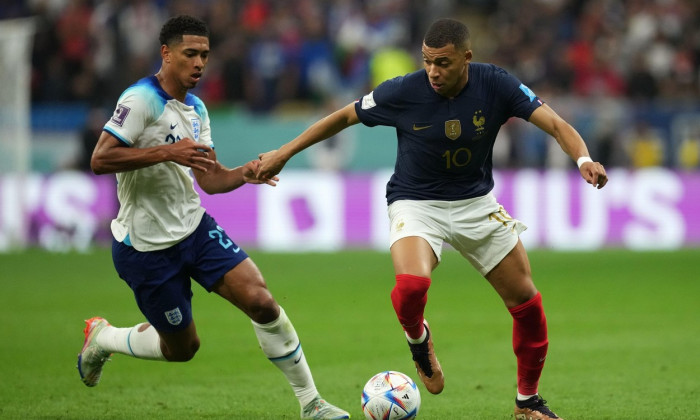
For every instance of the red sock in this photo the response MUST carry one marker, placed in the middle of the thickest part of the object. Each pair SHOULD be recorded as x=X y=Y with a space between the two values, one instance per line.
x=529 y=343
x=409 y=296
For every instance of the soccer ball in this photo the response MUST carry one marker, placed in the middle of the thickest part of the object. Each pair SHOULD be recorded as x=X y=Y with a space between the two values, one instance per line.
x=390 y=395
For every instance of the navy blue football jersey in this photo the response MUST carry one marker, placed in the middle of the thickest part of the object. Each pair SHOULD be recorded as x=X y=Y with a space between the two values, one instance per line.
x=445 y=145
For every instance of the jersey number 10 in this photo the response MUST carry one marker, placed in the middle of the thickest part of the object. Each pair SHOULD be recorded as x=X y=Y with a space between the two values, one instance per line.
x=458 y=158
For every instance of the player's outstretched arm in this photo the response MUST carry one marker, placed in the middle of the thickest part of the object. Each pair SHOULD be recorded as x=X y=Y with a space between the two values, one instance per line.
x=112 y=156
x=571 y=143
x=219 y=179
x=272 y=162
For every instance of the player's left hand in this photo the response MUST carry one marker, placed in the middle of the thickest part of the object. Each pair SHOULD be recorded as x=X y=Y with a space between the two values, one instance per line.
x=594 y=174
x=250 y=171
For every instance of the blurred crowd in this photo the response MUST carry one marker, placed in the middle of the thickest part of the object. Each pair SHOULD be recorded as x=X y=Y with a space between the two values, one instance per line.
x=269 y=55
x=264 y=52
x=641 y=49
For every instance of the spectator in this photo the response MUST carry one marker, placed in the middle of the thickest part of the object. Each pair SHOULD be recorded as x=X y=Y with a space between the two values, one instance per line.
x=270 y=52
x=644 y=145
x=88 y=137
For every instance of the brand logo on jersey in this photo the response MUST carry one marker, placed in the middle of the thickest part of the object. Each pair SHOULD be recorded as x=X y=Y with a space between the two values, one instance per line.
x=526 y=90
x=479 y=121
x=174 y=316
x=453 y=129
x=172 y=126
x=368 y=101
x=420 y=127
x=120 y=114
x=196 y=126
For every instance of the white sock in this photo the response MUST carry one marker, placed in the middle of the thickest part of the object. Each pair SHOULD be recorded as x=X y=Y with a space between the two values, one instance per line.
x=418 y=340
x=129 y=341
x=522 y=397
x=280 y=343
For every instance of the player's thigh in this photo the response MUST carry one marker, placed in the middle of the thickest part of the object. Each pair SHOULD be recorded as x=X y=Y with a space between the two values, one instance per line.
x=221 y=266
x=416 y=235
x=483 y=232
x=160 y=284
x=413 y=255
x=512 y=277
x=245 y=287
x=213 y=253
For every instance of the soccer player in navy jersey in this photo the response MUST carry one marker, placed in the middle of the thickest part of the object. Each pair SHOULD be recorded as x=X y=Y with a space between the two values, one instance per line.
x=446 y=119
x=157 y=139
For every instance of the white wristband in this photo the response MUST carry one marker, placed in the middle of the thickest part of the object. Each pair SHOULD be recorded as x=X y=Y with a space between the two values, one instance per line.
x=582 y=160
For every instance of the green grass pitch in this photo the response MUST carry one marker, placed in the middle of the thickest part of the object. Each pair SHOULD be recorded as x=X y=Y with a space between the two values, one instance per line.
x=624 y=339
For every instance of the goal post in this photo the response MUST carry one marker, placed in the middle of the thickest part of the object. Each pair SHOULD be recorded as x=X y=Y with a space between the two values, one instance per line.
x=16 y=40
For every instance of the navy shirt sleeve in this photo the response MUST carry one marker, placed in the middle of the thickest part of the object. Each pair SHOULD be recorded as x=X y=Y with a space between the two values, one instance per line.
x=520 y=101
x=382 y=105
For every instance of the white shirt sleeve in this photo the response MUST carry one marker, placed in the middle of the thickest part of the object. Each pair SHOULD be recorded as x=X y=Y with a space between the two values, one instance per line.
x=134 y=112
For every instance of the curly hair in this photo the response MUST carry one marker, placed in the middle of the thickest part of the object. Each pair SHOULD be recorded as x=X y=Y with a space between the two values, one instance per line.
x=448 y=31
x=173 y=30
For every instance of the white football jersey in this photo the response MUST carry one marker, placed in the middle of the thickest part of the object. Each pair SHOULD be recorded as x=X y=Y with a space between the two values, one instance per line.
x=159 y=206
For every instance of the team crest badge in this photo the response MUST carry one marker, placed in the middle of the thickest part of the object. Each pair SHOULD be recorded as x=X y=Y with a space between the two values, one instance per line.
x=196 y=127
x=479 y=122
x=453 y=129
x=174 y=316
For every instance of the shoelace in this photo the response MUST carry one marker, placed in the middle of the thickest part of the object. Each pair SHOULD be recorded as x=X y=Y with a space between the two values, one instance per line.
x=540 y=405
x=421 y=354
x=542 y=408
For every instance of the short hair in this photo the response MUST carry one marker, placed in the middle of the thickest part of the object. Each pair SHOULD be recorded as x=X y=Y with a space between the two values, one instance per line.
x=173 y=30
x=447 y=31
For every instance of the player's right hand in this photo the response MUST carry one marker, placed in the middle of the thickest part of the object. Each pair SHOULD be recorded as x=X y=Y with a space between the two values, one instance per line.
x=271 y=163
x=594 y=174
x=188 y=152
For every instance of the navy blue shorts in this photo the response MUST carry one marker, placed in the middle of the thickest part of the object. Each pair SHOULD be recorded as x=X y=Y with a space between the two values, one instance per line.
x=161 y=279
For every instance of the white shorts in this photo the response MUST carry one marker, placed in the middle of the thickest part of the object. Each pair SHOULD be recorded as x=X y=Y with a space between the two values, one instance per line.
x=479 y=228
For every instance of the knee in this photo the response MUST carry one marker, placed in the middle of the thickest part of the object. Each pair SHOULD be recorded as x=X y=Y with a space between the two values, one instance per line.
x=184 y=353
x=519 y=296
x=410 y=286
x=409 y=291
x=261 y=306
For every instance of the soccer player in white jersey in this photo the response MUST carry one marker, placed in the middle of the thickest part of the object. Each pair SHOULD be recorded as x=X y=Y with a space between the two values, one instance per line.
x=159 y=136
